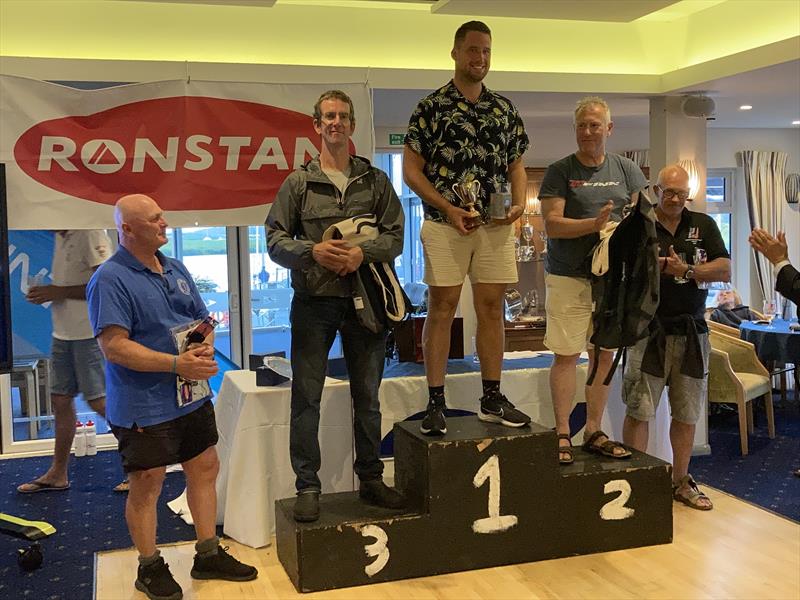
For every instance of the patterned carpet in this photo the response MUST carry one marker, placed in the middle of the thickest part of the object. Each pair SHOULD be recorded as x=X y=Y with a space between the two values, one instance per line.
x=89 y=517
x=764 y=476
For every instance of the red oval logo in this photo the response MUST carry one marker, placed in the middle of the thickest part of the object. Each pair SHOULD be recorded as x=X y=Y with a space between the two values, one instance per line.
x=187 y=152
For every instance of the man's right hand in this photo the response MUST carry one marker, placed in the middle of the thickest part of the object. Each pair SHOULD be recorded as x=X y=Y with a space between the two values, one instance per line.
x=332 y=254
x=462 y=220
x=602 y=218
x=197 y=364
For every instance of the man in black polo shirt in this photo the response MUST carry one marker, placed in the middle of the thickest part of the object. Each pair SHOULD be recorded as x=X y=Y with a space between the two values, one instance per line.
x=676 y=353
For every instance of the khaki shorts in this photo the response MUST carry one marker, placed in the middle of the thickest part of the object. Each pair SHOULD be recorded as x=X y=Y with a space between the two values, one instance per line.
x=569 y=314
x=487 y=255
x=641 y=392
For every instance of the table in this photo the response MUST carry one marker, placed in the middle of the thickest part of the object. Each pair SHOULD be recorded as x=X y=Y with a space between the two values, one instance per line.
x=253 y=424
x=775 y=342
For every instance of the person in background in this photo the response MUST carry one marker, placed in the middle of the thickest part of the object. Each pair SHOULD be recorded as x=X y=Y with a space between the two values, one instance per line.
x=579 y=195
x=677 y=352
x=324 y=192
x=787 y=277
x=76 y=360
x=730 y=310
x=137 y=298
x=464 y=133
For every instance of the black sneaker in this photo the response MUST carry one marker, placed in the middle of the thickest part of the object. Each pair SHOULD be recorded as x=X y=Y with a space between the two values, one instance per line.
x=222 y=566
x=495 y=408
x=157 y=583
x=433 y=423
x=306 y=507
x=378 y=493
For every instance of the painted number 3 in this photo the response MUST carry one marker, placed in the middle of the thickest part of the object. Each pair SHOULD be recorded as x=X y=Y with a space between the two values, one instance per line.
x=495 y=522
x=379 y=549
x=615 y=510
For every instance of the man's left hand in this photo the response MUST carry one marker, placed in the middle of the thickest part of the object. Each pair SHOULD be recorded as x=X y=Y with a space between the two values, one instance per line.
x=355 y=256
x=775 y=249
x=514 y=213
x=44 y=293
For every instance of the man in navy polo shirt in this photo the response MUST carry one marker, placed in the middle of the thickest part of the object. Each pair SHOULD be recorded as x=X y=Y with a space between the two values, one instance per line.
x=135 y=300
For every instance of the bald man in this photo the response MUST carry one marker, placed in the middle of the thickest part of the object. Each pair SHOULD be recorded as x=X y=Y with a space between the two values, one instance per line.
x=676 y=354
x=136 y=299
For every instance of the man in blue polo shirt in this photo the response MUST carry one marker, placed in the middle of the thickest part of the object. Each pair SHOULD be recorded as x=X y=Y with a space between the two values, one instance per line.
x=135 y=300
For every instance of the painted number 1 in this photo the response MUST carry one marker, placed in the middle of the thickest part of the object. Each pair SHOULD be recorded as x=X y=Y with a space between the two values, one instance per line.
x=615 y=510
x=495 y=522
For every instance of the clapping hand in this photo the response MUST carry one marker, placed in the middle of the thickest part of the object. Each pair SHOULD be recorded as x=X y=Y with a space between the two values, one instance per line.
x=602 y=218
x=774 y=248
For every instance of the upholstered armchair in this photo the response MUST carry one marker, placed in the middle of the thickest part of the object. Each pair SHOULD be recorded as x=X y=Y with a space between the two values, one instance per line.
x=736 y=376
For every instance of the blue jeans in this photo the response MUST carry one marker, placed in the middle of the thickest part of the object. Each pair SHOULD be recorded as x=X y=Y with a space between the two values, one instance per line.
x=315 y=321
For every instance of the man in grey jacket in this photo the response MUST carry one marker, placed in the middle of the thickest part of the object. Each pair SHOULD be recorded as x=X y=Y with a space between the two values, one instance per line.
x=327 y=190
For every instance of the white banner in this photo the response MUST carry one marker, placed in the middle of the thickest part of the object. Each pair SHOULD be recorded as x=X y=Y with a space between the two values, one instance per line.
x=210 y=153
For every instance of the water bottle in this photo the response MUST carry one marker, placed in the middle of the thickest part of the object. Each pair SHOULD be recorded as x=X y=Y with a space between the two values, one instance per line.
x=701 y=257
x=79 y=443
x=475 y=358
x=91 y=439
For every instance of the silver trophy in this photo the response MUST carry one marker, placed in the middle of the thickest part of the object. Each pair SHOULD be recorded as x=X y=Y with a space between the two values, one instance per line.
x=467 y=192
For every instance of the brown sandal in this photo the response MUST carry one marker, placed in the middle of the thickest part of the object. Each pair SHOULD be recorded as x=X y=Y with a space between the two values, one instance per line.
x=693 y=497
x=606 y=448
x=565 y=450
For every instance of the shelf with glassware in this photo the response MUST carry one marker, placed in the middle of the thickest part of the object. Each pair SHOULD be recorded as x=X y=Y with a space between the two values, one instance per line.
x=525 y=315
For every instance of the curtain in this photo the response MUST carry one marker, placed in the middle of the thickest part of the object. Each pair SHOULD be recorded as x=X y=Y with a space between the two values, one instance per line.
x=640 y=157
x=764 y=185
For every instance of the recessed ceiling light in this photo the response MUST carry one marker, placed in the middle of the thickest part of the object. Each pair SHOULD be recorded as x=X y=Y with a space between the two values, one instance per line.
x=795 y=122
x=745 y=107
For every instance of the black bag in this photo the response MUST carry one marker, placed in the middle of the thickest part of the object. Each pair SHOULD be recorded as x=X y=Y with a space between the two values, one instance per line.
x=381 y=302
x=626 y=296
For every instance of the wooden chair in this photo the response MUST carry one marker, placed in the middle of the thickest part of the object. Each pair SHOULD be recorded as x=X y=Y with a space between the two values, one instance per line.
x=736 y=376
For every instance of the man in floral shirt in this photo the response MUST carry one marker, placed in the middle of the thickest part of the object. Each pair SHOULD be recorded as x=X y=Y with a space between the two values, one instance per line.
x=464 y=132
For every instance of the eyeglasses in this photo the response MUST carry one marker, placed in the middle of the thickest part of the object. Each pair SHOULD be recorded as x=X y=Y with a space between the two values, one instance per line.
x=669 y=194
x=330 y=117
x=593 y=127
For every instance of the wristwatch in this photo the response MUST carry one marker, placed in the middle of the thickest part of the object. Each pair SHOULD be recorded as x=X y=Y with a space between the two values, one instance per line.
x=689 y=272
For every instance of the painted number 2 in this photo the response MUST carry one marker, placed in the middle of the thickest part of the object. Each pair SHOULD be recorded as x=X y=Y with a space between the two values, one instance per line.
x=379 y=549
x=495 y=522
x=615 y=510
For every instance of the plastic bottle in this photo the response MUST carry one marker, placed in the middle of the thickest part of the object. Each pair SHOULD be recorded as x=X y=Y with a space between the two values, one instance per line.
x=91 y=439
x=79 y=443
x=475 y=358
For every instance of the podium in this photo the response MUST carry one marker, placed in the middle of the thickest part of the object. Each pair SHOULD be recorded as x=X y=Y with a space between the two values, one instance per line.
x=480 y=496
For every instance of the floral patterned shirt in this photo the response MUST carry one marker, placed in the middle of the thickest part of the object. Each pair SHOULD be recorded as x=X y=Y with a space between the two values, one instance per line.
x=462 y=140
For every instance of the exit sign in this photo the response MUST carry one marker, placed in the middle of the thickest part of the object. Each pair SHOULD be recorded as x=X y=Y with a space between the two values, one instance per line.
x=397 y=139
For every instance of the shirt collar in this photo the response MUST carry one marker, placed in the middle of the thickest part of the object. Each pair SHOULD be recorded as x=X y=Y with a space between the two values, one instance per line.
x=129 y=260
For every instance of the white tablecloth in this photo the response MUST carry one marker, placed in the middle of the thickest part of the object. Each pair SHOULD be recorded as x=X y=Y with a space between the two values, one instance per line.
x=253 y=447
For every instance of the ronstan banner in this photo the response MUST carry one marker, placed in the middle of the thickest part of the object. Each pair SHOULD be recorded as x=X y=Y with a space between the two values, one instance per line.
x=210 y=153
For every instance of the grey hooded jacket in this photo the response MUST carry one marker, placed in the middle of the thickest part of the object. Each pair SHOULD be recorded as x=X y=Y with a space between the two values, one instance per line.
x=308 y=203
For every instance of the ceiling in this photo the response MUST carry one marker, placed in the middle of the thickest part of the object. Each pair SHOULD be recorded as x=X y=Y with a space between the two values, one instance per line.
x=547 y=53
x=773 y=92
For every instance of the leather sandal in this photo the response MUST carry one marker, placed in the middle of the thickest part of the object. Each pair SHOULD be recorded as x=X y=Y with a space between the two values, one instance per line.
x=569 y=459
x=606 y=448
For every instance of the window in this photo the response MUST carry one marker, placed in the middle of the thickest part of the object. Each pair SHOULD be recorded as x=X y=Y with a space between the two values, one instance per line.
x=719 y=202
x=410 y=263
x=719 y=206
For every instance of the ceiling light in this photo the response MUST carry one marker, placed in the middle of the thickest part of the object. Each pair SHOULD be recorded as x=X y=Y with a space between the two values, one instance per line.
x=745 y=107
x=795 y=122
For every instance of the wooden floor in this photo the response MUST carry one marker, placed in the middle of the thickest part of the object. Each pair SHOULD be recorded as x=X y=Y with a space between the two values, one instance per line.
x=735 y=551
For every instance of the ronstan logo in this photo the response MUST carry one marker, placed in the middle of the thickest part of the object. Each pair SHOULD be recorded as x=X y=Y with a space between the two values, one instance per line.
x=188 y=152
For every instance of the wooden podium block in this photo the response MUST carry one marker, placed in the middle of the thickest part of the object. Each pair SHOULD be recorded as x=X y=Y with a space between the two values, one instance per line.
x=482 y=495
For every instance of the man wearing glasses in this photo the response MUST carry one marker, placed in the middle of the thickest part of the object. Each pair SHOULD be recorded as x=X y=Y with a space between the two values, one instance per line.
x=327 y=190
x=579 y=195
x=676 y=353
